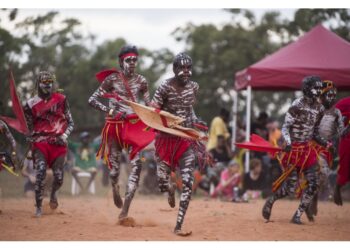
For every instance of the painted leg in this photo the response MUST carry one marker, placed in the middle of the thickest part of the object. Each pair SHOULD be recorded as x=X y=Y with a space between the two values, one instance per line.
x=40 y=167
x=58 y=173
x=133 y=183
x=114 y=160
x=164 y=184
x=308 y=194
x=187 y=168
x=287 y=188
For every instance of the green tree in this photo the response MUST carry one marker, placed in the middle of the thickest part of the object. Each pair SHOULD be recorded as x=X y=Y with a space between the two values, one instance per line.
x=47 y=43
x=219 y=52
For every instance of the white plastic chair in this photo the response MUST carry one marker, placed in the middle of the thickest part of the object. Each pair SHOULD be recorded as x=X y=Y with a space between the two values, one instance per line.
x=76 y=188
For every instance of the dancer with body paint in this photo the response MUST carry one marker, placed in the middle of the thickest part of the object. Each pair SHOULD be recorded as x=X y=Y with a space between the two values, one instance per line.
x=331 y=128
x=127 y=85
x=5 y=157
x=298 y=131
x=50 y=123
x=177 y=96
x=5 y=133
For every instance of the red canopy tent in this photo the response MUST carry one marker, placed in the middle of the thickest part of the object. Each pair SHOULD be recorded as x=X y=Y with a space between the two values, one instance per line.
x=319 y=52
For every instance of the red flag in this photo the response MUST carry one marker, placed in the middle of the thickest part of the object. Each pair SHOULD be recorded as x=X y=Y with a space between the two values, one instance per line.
x=20 y=123
x=100 y=76
x=257 y=143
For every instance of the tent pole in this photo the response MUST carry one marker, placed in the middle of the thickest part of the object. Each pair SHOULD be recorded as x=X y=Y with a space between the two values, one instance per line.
x=234 y=120
x=247 y=130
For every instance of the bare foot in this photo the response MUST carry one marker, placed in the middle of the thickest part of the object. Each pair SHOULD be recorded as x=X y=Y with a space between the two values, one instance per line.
x=127 y=222
x=53 y=204
x=182 y=233
x=38 y=212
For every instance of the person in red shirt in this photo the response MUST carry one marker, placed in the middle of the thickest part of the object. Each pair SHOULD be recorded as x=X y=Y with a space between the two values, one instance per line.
x=343 y=175
x=50 y=123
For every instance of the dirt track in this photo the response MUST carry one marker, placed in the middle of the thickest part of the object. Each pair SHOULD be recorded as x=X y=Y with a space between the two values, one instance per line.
x=91 y=218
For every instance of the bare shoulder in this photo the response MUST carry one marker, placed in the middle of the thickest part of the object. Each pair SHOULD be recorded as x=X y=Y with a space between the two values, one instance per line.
x=109 y=80
x=166 y=84
x=140 y=78
x=299 y=102
x=194 y=85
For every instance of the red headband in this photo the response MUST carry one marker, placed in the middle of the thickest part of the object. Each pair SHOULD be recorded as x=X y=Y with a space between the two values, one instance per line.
x=128 y=54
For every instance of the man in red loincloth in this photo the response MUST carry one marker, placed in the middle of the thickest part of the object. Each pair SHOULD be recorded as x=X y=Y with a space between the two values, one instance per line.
x=177 y=96
x=50 y=123
x=300 y=157
x=123 y=129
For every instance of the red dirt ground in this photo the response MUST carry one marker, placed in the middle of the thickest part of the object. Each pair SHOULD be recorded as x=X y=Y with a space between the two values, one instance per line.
x=92 y=218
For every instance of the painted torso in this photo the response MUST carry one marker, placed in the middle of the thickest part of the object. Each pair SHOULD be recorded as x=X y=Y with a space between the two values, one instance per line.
x=300 y=120
x=331 y=124
x=177 y=101
x=114 y=84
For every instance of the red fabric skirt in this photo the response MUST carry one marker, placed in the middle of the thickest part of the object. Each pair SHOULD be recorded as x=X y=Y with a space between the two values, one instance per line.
x=128 y=133
x=50 y=151
x=170 y=148
x=303 y=155
x=325 y=153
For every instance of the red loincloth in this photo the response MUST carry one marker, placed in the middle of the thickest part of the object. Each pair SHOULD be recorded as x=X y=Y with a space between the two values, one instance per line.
x=50 y=151
x=130 y=132
x=303 y=155
x=325 y=153
x=170 y=148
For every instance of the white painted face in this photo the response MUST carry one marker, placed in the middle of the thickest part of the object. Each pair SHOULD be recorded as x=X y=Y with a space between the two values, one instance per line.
x=330 y=97
x=46 y=88
x=317 y=89
x=129 y=64
x=184 y=72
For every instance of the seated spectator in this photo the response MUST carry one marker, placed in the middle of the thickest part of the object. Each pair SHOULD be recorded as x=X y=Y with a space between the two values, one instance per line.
x=230 y=179
x=222 y=152
x=221 y=155
x=255 y=183
x=218 y=127
x=85 y=159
